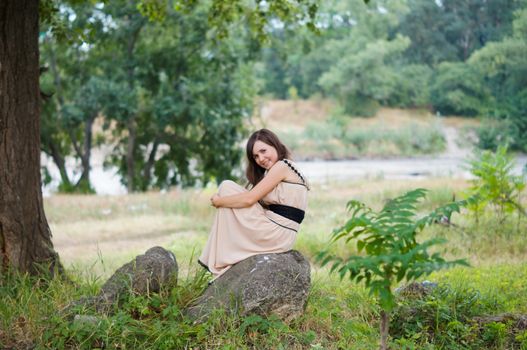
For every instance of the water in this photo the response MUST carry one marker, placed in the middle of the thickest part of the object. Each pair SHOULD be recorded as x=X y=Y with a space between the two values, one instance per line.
x=410 y=168
x=106 y=181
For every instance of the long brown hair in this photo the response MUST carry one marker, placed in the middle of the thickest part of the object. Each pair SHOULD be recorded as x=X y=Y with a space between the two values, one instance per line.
x=254 y=172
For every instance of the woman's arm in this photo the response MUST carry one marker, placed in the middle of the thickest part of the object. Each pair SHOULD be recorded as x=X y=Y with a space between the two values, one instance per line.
x=276 y=174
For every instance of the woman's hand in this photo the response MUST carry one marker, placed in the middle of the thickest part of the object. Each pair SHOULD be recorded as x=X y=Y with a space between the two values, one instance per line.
x=214 y=200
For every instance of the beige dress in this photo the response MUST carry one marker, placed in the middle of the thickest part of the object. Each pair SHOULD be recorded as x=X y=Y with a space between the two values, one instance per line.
x=238 y=233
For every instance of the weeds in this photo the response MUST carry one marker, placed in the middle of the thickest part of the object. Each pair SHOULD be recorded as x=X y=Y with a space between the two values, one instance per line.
x=339 y=314
x=495 y=186
x=446 y=318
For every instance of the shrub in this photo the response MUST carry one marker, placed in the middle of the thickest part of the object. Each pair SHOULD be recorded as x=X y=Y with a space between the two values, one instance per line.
x=494 y=183
x=458 y=90
x=393 y=253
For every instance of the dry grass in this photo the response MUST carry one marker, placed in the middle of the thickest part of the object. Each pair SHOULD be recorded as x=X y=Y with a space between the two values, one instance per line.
x=317 y=129
x=291 y=115
x=88 y=236
x=103 y=232
x=295 y=115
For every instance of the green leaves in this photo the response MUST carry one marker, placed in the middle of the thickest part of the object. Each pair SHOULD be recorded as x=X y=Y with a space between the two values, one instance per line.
x=388 y=238
x=494 y=183
x=259 y=16
x=362 y=77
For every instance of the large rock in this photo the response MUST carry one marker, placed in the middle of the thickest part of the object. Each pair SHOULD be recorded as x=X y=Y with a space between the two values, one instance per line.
x=262 y=284
x=145 y=274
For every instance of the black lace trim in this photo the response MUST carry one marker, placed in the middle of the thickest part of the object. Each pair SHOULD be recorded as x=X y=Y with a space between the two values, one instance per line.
x=296 y=171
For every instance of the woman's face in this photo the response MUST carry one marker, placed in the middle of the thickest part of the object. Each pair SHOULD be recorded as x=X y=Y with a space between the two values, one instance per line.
x=264 y=155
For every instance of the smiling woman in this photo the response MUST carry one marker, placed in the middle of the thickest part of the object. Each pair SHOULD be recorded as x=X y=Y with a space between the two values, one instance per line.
x=262 y=219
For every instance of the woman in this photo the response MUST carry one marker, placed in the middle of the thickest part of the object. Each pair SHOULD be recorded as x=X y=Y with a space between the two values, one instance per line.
x=264 y=219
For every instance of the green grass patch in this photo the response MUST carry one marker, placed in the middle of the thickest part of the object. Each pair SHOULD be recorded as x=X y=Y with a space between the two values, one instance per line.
x=339 y=314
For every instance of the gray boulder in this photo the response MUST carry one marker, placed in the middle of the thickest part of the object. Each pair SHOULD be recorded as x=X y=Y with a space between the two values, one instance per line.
x=145 y=274
x=263 y=284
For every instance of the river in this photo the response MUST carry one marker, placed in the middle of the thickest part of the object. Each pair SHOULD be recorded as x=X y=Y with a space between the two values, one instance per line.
x=106 y=182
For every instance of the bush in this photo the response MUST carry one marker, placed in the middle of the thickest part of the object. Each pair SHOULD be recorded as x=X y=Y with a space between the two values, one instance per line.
x=495 y=185
x=413 y=88
x=445 y=318
x=458 y=89
x=492 y=133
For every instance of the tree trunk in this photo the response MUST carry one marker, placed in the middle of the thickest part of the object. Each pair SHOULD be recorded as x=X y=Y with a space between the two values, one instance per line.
x=60 y=162
x=131 y=125
x=86 y=154
x=147 y=172
x=385 y=324
x=25 y=237
x=130 y=162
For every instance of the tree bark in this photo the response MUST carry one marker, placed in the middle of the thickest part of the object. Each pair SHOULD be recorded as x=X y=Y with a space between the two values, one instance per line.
x=25 y=237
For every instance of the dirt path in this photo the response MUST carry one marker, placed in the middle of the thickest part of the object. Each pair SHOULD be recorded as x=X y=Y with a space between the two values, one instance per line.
x=453 y=148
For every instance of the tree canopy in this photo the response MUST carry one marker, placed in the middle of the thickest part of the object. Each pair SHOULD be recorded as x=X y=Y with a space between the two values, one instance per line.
x=453 y=57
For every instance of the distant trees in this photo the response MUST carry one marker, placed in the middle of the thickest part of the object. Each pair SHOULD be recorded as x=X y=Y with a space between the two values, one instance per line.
x=451 y=30
x=168 y=94
x=454 y=57
x=76 y=90
x=364 y=78
x=457 y=89
x=503 y=66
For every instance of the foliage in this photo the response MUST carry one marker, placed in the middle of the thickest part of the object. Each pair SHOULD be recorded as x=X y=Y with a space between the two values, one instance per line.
x=76 y=93
x=413 y=86
x=461 y=58
x=389 y=240
x=503 y=66
x=362 y=79
x=445 y=316
x=492 y=133
x=452 y=30
x=457 y=89
x=222 y=14
x=185 y=102
x=494 y=183
x=165 y=97
x=393 y=253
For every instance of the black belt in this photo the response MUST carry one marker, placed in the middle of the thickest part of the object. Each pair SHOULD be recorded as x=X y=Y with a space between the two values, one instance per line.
x=292 y=213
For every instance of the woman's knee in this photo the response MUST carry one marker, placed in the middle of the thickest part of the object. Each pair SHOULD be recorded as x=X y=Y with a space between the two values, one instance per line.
x=228 y=187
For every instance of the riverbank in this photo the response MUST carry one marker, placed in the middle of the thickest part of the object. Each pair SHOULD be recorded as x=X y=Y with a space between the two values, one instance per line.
x=395 y=144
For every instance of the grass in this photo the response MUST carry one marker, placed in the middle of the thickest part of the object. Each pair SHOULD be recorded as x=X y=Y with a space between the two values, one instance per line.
x=341 y=137
x=315 y=129
x=94 y=235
